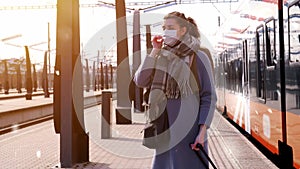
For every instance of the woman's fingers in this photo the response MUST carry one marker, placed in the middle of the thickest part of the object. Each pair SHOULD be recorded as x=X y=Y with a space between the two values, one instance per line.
x=157 y=38
x=194 y=147
x=157 y=41
x=198 y=141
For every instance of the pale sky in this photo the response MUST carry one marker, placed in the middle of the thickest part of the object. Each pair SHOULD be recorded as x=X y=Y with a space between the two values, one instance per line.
x=32 y=25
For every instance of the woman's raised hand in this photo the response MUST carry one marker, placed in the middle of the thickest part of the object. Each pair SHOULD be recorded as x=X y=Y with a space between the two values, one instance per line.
x=157 y=42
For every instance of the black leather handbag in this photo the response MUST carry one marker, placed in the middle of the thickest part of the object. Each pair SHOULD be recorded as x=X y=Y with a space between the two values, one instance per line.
x=156 y=133
x=150 y=135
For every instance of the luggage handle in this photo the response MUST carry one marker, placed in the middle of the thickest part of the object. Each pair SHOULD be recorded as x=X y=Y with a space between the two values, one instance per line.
x=206 y=155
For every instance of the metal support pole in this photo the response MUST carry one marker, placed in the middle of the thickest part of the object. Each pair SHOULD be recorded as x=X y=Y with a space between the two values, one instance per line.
x=34 y=78
x=45 y=77
x=98 y=71
x=49 y=54
x=149 y=48
x=138 y=92
x=123 y=110
x=57 y=94
x=106 y=111
x=101 y=76
x=106 y=76
x=111 y=76
x=148 y=39
x=28 y=77
x=87 y=76
x=73 y=139
x=6 y=83
x=94 y=76
x=19 y=78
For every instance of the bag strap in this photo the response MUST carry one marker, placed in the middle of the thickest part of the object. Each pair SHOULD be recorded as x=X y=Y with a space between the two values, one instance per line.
x=194 y=70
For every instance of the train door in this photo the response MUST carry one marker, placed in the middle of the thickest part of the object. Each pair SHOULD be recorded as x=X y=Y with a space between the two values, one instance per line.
x=264 y=111
x=292 y=79
x=293 y=68
x=246 y=86
x=221 y=80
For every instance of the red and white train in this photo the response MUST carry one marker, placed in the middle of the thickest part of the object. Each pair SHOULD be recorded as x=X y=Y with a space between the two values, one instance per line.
x=258 y=78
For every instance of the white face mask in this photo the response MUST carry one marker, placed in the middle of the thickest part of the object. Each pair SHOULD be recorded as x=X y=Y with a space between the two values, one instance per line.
x=170 y=37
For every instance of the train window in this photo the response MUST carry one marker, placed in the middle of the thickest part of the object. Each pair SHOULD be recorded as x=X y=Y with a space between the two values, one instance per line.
x=268 y=47
x=270 y=42
x=294 y=33
x=260 y=61
x=245 y=61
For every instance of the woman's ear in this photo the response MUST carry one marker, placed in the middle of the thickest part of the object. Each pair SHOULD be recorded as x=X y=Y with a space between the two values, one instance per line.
x=182 y=31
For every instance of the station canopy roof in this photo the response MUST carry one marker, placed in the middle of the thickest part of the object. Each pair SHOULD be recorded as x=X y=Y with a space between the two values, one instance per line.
x=242 y=22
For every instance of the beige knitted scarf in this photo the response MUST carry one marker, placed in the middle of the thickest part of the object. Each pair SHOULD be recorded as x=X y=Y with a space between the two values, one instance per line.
x=172 y=75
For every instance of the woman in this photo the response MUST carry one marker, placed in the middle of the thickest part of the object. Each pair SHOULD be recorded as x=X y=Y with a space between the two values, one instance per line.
x=180 y=76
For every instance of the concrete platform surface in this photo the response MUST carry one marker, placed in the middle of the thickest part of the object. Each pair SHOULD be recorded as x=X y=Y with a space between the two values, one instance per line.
x=39 y=147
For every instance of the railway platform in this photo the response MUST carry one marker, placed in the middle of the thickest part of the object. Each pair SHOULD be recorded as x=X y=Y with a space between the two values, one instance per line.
x=14 y=94
x=38 y=146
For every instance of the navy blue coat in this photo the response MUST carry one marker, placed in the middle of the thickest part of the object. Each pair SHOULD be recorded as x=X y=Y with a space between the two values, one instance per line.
x=185 y=115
